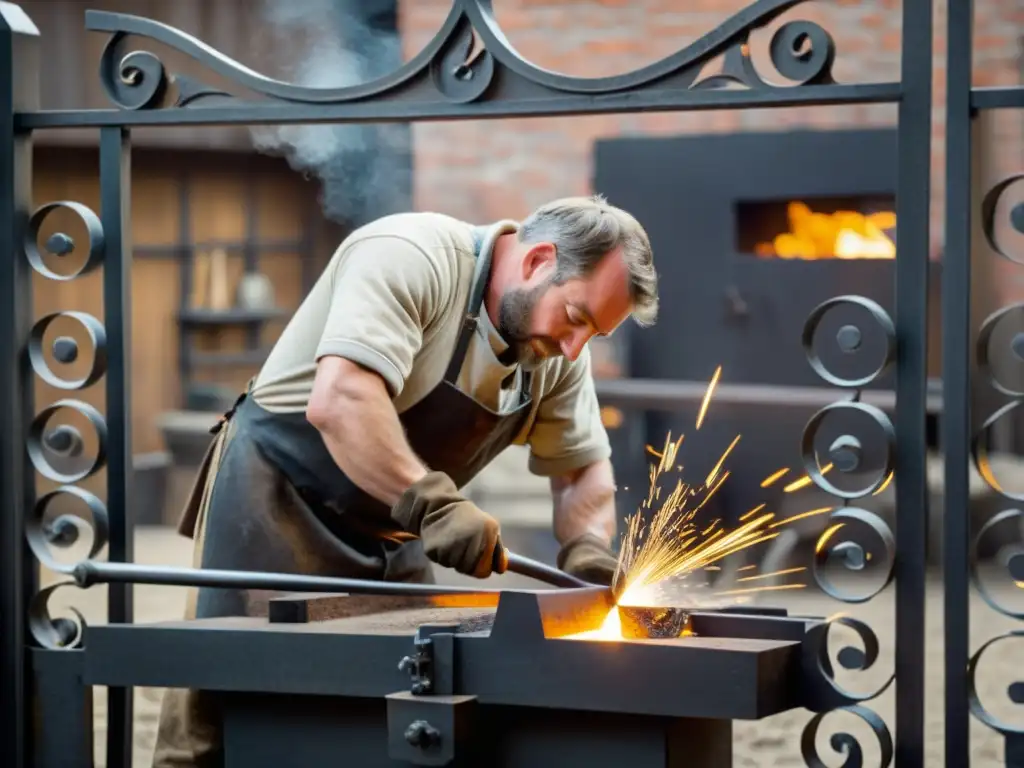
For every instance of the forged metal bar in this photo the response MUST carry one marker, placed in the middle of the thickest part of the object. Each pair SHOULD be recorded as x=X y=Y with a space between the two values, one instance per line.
x=398 y=111
x=956 y=375
x=668 y=395
x=913 y=201
x=19 y=91
x=524 y=566
x=90 y=573
x=997 y=98
x=115 y=212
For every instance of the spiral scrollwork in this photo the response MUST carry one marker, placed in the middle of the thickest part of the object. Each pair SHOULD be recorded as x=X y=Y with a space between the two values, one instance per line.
x=63 y=531
x=838 y=544
x=846 y=744
x=60 y=244
x=847 y=449
x=989 y=211
x=65 y=350
x=37 y=441
x=1010 y=558
x=1014 y=690
x=460 y=71
x=137 y=80
x=803 y=52
x=849 y=339
x=822 y=691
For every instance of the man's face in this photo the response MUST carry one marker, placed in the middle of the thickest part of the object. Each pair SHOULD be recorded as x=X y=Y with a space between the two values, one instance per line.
x=541 y=319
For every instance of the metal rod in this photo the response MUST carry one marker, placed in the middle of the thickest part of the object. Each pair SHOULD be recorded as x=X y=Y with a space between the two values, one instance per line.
x=673 y=395
x=89 y=573
x=115 y=201
x=911 y=315
x=955 y=429
x=524 y=566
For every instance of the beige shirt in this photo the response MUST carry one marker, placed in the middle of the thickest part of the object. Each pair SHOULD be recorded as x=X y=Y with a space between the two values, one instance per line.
x=392 y=299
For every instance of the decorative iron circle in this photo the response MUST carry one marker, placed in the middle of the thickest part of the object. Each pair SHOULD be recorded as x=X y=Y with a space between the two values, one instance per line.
x=854 y=555
x=50 y=633
x=97 y=336
x=846 y=744
x=803 y=52
x=989 y=206
x=93 y=225
x=979 y=451
x=984 y=343
x=457 y=77
x=66 y=530
x=974 y=700
x=137 y=80
x=37 y=430
x=1007 y=516
x=809 y=456
x=879 y=315
x=823 y=691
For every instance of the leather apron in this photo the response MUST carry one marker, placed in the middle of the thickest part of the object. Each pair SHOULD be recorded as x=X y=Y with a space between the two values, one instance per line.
x=269 y=497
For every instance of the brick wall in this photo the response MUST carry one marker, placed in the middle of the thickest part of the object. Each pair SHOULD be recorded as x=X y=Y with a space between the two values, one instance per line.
x=490 y=169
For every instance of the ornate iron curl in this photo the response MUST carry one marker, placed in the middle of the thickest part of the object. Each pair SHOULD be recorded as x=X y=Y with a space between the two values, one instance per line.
x=801 y=51
x=63 y=532
x=1011 y=557
x=984 y=342
x=809 y=455
x=822 y=691
x=845 y=743
x=979 y=451
x=1013 y=690
x=989 y=204
x=97 y=336
x=854 y=555
x=62 y=244
x=37 y=431
x=876 y=312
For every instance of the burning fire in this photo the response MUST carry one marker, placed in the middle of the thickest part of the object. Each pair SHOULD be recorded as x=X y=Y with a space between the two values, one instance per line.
x=662 y=562
x=837 y=235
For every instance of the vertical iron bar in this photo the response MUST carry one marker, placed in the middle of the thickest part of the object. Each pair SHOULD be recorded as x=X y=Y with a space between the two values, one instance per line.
x=115 y=205
x=912 y=267
x=19 y=91
x=185 y=280
x=250 y=255
x=956 y=378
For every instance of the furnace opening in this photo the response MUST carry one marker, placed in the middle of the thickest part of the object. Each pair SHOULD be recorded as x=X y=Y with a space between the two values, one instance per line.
x=818 y=228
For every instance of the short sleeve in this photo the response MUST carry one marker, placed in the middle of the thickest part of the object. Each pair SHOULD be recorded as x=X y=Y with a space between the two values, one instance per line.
x=567 y=433
x=385 y=292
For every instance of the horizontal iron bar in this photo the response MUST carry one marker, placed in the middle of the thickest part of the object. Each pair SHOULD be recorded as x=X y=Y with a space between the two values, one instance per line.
x=279 y=113
x=90 y=573
x=998 y=98
x=534 y=569
x=671 y=395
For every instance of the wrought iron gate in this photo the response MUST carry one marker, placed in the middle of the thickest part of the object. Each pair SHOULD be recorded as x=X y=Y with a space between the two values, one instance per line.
x=443 y=83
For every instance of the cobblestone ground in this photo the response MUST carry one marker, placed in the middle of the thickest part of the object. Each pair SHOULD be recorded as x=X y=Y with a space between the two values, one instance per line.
x=772 y=742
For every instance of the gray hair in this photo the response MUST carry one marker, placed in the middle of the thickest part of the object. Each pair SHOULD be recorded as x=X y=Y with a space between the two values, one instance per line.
x=583 y=231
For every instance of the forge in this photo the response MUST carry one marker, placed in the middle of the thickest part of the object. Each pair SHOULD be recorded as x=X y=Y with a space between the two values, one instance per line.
x=516 y=679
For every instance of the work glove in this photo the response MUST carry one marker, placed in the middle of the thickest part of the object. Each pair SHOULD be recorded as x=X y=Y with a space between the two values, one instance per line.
x=455 y=532
x=587 y=557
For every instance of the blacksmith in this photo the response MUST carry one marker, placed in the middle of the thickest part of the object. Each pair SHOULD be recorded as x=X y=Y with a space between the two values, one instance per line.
x=426 y=348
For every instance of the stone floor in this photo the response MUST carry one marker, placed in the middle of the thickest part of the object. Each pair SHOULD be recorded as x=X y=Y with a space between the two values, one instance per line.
x=771 y=742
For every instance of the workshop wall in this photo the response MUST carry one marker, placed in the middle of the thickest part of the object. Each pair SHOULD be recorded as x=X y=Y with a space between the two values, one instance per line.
x=490 y=169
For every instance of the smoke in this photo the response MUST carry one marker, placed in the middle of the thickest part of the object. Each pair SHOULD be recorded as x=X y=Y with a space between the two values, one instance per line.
x=365 y=170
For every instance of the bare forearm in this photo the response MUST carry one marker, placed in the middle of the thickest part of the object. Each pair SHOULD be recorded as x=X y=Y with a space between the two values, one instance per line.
x=584 y=502
x=361 y=430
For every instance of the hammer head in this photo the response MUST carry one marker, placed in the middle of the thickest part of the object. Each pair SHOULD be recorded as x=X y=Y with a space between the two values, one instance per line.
x=652 y=623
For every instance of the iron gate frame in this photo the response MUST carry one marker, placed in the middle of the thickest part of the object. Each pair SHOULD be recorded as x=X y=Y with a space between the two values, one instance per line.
x=442 y=84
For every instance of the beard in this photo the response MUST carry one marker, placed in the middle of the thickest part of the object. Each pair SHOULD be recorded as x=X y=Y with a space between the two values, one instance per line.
x=514 y=315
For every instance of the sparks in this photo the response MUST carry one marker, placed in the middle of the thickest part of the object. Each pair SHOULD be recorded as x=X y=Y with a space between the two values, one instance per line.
x=707 y=396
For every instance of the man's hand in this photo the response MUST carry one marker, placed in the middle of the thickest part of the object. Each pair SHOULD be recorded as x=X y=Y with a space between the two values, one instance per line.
x=587 y=557
x=455 y=532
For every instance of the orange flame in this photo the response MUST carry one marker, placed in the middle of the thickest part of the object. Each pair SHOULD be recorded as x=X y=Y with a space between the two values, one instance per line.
x=837 y=235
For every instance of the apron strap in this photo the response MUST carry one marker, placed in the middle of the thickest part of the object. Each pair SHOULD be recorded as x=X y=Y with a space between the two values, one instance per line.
x=482 y=236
